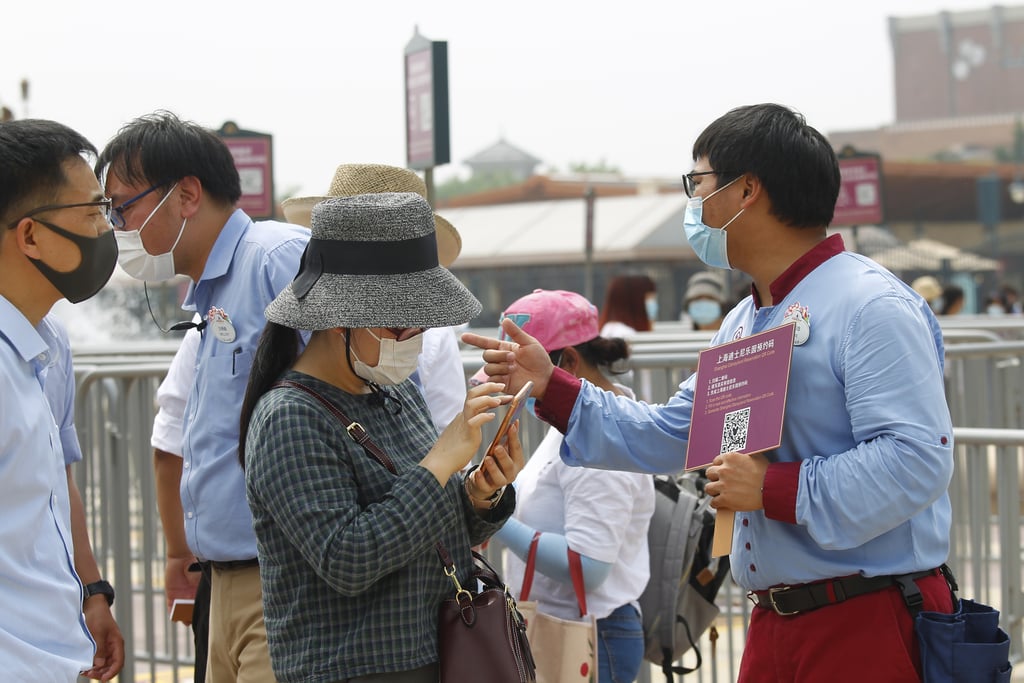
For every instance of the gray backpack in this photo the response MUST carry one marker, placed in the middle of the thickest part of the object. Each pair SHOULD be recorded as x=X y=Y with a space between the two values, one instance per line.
x=678 y=603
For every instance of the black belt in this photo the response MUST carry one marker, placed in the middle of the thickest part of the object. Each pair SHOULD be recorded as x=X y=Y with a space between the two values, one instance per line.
x=789 y=600
x=234 y=564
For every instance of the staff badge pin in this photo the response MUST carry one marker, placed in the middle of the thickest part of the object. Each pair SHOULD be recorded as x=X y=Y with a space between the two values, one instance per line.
x=220 y=323
x=798 y=314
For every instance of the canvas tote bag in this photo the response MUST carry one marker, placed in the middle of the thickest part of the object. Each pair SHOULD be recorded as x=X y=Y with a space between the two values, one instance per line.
x=564 y=650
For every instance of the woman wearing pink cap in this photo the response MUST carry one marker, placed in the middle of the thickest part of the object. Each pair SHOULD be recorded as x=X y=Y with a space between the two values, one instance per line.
x=600 y=514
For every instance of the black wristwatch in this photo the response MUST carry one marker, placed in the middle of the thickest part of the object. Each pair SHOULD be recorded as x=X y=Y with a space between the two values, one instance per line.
x=495 y=497
x=100 y=587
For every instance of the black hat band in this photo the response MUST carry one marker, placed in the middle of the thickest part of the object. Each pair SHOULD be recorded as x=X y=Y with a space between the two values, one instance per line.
x=374 y=257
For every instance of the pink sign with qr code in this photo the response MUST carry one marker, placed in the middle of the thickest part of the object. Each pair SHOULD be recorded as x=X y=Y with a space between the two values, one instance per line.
x=739 y=399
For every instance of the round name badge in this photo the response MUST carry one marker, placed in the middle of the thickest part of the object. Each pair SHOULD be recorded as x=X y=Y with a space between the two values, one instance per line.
x=223 y=330
x=801 y=331
x=801 y=317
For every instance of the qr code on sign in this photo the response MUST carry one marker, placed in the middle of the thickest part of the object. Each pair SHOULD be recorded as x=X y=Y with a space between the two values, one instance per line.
x=734 y=431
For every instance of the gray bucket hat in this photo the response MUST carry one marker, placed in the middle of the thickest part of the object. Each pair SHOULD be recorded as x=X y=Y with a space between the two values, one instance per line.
x=372 y=262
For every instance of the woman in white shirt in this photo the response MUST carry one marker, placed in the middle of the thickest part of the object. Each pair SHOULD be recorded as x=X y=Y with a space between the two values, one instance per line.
x=603 y=515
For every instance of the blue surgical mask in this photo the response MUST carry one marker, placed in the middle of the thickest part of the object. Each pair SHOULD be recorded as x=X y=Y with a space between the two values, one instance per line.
x=651 y=305
x=704 y=311
x=707 y=242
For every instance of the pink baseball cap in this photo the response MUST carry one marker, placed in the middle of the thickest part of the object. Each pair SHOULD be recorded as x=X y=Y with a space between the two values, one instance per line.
x=555 y=317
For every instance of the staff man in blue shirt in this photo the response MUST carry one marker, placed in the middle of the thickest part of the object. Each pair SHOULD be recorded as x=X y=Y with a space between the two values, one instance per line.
x=844 y=527
x=175 y=188
x=55 y=241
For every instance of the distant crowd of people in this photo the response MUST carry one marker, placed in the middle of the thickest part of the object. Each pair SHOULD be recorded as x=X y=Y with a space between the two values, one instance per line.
x=949 y=299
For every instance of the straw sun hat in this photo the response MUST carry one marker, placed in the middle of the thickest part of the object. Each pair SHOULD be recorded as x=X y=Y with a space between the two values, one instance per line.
x=372 y=262
x=352 y=179
x=928 y=287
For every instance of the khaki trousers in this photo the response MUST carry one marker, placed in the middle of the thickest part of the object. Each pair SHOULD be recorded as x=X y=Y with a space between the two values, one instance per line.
x=238 y=637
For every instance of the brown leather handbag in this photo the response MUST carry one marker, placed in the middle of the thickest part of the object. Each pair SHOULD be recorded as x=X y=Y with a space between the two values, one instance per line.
x=482 y=636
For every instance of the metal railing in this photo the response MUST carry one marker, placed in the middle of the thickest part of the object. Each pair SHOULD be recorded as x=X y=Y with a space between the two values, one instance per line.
x=114 y=415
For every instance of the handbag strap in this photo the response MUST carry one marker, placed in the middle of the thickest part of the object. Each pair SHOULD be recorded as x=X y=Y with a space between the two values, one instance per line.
x=531 y=562
x=354 y=429
x=575 y=571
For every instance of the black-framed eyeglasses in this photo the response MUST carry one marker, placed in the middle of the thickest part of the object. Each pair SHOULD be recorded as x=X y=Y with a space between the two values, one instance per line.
x=117 y=213
x=689 y=187
x=404 y=333
x=103 y=203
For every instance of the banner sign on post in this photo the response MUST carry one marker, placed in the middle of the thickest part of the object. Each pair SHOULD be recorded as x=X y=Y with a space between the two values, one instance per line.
x=860 y=189
x=426 y=103
x=254 y=159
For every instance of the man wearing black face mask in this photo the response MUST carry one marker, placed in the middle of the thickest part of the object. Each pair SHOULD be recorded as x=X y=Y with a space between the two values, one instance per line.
x=55 y=242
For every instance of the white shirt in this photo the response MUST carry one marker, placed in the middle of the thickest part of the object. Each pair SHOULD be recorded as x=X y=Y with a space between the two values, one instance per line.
x=440 y=376
x=172 y=395
x=43 y=636
x=602 y=514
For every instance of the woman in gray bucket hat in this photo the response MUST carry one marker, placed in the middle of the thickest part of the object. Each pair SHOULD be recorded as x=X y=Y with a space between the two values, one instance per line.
x=351 y=580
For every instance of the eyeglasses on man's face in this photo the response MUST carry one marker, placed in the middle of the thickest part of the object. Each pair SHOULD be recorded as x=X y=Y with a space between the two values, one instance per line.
x=690 y=187
x=117 y=213
x=103 y=204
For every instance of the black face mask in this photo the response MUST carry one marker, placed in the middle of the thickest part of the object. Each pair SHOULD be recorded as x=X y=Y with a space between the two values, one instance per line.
x=99 y=256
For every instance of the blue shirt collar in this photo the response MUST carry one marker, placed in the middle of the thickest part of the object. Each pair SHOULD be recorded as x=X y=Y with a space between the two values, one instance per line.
x=219 y=261
x=19 y=332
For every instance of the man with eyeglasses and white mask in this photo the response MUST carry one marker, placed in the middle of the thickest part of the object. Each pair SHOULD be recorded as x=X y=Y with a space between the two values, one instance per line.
x=843 y=530
x=55 y=242
x=175 y=190
x=193 y=399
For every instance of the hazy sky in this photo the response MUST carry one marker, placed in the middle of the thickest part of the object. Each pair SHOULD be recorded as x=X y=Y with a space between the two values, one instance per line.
x=630 y=83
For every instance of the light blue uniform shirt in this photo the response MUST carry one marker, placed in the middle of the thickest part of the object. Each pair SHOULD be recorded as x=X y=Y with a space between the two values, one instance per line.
x=43 y=636
x=59 y=385
x=250 y=263
x=866 y=417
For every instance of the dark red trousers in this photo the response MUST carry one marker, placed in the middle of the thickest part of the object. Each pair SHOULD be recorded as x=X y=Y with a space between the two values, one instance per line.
x=867 y=639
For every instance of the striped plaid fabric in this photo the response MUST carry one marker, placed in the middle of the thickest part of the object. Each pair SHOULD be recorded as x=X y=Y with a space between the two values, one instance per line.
x=351 y=581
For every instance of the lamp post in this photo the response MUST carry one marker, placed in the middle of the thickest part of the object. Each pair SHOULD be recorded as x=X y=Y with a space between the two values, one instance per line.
x=1016 y=188
x=24 y=97
x=588 y=243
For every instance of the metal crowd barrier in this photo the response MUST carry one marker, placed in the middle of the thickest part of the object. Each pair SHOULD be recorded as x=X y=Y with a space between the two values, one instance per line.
x=114 y=416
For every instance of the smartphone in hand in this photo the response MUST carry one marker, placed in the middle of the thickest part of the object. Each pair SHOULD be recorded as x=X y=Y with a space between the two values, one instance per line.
x=181 y=610
x=515 y=408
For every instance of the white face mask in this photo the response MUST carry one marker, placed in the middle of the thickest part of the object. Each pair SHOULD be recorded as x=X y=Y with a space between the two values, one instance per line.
x=396 y=362
x=138 y=262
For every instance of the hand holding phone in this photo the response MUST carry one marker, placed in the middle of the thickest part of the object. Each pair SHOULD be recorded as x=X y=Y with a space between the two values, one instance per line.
x=515 y=408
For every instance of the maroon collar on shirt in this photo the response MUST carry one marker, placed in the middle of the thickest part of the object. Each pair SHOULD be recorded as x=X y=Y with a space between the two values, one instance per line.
x=799 y=269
